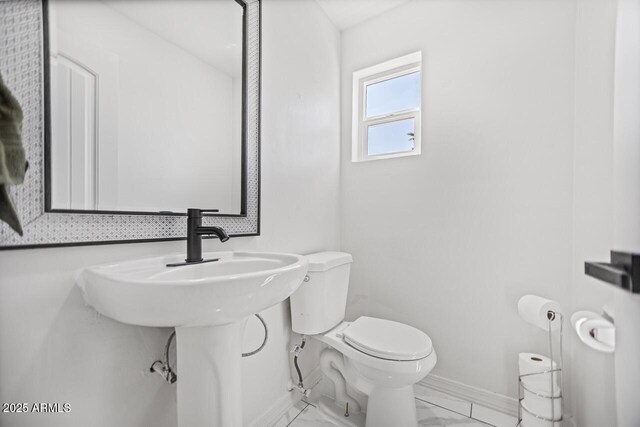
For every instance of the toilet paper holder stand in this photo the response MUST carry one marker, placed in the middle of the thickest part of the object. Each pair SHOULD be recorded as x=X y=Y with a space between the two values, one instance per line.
x=553 y=373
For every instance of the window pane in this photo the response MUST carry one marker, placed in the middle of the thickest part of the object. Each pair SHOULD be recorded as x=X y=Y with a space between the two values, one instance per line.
x=391 y=137
x=393 y=95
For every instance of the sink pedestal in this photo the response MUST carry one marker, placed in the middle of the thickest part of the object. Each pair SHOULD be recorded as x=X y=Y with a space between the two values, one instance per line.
x=209 y=375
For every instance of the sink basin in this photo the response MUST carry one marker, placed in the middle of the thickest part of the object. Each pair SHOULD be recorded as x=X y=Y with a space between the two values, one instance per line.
x=148 y=293
x=209 y=305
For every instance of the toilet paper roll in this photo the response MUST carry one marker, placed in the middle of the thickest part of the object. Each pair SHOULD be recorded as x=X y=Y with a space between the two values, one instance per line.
x=543 y=406
x=529 y=420
x=535 y=309
x=532 y=367
x=605 y=334
x=532 y=363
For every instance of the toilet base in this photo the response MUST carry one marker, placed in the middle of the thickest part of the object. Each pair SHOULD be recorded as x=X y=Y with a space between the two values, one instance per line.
x=387 y=407
x=391 y=407
x=335 y=413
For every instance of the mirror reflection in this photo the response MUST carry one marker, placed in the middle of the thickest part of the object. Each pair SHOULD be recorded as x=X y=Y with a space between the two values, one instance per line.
x=145 y=105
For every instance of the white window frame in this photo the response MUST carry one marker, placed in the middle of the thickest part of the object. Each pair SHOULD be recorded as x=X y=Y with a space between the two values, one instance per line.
x=391 y=69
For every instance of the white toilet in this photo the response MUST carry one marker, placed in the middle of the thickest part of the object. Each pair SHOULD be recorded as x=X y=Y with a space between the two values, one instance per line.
x=380 y=358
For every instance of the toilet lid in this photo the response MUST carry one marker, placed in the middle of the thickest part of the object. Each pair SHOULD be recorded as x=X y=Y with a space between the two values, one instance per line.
x=387 y=339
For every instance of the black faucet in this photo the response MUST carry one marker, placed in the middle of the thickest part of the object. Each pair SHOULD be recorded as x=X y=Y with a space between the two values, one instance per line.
x=195 y=231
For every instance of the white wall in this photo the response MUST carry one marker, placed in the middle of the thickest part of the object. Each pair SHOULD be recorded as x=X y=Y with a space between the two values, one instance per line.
x=448 y=241
x=511 y=194
x=626 y=204
x=55 y=349
x=593 y=392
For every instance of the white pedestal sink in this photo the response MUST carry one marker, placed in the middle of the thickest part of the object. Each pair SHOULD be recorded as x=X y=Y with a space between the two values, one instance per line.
x=209 y=305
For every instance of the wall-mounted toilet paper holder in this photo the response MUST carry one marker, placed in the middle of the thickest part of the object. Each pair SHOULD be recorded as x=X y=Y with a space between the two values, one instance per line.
x=594 y=330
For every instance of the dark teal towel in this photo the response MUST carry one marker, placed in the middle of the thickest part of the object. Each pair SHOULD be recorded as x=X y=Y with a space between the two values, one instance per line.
x=13 y=163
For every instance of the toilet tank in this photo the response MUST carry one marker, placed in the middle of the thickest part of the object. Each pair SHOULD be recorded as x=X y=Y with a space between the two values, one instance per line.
x=320 y=302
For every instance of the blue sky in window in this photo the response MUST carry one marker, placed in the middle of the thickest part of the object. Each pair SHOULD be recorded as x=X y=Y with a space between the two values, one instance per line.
x=391 y=137
x=389 y=96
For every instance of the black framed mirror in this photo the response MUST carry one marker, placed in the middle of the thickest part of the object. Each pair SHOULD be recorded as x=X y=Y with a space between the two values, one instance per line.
x=144 y=110
x=109 y=196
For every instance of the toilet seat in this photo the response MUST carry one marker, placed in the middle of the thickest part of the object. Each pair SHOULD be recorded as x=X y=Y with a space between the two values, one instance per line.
x=375 y=370
x=386 y=339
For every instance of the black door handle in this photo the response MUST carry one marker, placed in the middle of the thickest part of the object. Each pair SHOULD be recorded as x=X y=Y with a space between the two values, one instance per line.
x=623 y=271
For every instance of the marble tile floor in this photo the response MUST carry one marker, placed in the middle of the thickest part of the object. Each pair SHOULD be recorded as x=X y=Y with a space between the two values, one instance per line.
x=305 y=414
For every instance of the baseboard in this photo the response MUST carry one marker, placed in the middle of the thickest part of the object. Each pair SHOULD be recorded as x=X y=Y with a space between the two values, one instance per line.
x=285 y=402
x=474 y=395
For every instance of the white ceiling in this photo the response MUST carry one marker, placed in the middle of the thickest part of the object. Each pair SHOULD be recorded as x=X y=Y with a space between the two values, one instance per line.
x=348 y=13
